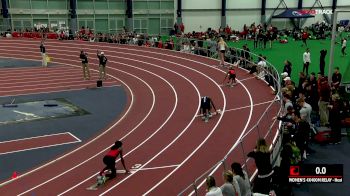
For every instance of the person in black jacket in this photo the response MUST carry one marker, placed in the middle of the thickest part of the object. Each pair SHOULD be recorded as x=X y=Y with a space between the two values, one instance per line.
x=102 y=64
x=84 y=60
x=261 y=155
x=288 y=68
x=323 y=54
x=43 y=54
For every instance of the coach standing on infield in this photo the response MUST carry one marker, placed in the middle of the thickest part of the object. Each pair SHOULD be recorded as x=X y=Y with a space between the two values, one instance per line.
x=102 y=64
x=43 y=54
x=84 y=61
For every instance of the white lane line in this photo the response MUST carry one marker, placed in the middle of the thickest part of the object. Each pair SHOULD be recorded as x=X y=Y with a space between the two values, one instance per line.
x=37 y=72
x=55 y=91
x=197 y=72
x=89 y=142
x=159 y=167
x=74 y=136
x=244 y=107
x=90 y=158
x=77 y=140
x=155 y=53
x=81 y=82
x=34 y=137
x=147 y=139
x=202 y=74
x=42 y=79
x=53 y=87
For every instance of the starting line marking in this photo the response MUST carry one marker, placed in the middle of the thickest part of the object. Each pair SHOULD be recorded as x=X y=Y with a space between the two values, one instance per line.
x=136 y=167
x=243 y=107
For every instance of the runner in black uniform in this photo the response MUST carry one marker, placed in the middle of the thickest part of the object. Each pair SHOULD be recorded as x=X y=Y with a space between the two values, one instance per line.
x=206 y=104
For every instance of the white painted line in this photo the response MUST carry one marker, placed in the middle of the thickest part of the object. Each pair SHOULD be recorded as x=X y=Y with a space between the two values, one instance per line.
x=39 y=74
x=26 y=114
x=244 y=107
x=169 y=55
x=154 y=132
x=148 y=168
x=160 y=167
x=40 y=147
x=24 y=80
x=89 y=142
x=132 y=102
x=29 y=138
x=203 y=75
x=84 y=82
x=74 y=136
x=54 y=87
x=55 y=91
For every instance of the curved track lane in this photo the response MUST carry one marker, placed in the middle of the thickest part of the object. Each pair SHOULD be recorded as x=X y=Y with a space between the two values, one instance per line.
x=177 y=150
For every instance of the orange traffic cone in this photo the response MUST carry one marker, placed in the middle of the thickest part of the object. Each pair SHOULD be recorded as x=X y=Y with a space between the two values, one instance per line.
x=14 y=175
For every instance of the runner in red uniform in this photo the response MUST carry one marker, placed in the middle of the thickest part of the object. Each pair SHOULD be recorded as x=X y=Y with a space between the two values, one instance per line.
x=232 y=77
x=109 y=160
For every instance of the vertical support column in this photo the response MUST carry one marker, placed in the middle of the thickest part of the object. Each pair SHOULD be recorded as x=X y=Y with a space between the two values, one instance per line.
x=331 y=55
x=300 y=6
x=179 y=12
x=334 y=6
x=73 y=16
x=130 y=21
x=5 y=15
x=223 y=13
x=263 y=12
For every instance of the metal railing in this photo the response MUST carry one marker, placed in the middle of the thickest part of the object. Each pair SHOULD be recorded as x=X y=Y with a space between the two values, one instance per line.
x=264 y=127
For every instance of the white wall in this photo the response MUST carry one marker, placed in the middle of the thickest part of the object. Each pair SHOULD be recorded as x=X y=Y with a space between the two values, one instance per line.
x=206 y=13
x=201 y=4
x=201 y=21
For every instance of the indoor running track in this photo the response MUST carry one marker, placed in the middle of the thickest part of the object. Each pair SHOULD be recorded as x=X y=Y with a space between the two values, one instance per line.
x=159 y=127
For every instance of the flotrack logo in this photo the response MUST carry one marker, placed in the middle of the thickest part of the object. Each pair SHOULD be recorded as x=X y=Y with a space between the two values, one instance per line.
x=312 y=12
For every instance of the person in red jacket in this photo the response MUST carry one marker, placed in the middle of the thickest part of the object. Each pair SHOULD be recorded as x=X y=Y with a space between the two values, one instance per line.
x=109 y=160
x=304 y=37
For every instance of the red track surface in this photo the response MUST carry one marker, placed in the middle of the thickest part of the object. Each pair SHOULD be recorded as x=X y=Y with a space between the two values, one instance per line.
x=160 y=129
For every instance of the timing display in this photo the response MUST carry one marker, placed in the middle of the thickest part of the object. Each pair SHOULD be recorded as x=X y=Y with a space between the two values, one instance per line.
x=314 y=173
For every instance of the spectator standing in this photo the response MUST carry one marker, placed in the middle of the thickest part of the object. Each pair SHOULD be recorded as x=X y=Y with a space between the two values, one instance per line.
x=307 y=61
x=242 y=179
x=335 y=118
x=230 y=187
x=85 y=65
x=302 y=79
x=222 y=46
x=324 y=93
x=323 y=54
x=304 y=37
x=312 y=91
x=261 y=155
x=102 y=65
x=43 y=55
x=287 y=68
x=212 y=189
x=336 y=78
x=343 y=47
x=305 y=110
